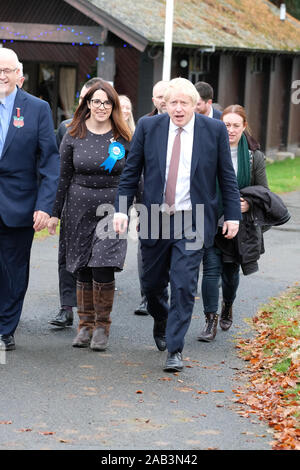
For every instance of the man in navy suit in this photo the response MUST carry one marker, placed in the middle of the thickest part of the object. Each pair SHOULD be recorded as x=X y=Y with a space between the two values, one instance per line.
x=181 y=207
x=29 y=171
x=204 y=104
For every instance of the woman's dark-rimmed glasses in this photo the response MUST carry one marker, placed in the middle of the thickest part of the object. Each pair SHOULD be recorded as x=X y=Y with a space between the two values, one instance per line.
x=98 y=103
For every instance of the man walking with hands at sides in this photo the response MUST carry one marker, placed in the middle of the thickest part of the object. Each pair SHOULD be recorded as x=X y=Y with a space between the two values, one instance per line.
x=29 y=171
x=181 y=154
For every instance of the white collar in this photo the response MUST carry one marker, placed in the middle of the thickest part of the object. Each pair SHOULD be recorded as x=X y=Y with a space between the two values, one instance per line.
x=189 y=127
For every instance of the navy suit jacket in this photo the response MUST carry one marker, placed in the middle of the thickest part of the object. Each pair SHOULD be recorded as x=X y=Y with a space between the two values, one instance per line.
x=29 y=164
x=217 y=113
x=211 y=158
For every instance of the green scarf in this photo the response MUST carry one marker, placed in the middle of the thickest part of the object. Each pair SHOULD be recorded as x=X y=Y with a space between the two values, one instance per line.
x=243 y=173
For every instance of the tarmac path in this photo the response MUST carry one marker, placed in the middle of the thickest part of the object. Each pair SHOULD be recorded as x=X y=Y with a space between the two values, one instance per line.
x=54 y=396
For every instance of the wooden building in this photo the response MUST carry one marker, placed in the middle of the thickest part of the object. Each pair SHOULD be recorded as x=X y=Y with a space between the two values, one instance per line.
x=242 y=47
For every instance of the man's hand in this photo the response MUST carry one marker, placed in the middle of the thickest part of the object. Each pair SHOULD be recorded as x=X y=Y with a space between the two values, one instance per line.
x=120 y=222
x=52 y=224
x=40 y=220
x=230 y=229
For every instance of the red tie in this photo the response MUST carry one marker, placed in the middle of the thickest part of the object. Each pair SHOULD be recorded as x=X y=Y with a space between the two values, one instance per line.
x=173 y=172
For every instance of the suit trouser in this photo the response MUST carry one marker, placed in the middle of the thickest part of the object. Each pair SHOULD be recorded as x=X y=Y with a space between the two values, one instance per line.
x=169 y=260
x=15 y=246
x=67 y=280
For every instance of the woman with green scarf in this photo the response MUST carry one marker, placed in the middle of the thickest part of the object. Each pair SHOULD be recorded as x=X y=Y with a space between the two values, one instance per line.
x=249 y=166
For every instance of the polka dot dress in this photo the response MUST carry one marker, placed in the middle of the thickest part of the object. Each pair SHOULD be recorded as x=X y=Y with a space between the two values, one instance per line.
x=85 y=199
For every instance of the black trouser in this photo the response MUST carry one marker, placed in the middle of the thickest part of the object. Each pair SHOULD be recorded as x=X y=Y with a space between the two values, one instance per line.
x=101 y=275
x=67 y=280
x=15 y=247
x=171 y=260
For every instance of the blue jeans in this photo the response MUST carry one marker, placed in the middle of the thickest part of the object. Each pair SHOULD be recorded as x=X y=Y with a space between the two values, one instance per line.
x=213 y=271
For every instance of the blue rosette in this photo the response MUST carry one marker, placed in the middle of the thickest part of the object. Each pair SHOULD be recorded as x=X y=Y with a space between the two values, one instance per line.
x=116 y=151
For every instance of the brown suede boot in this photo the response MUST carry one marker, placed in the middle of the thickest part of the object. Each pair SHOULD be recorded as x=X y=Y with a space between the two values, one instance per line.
x=103 y=303
x=226 y=316
x=210 y=330
x=86 y=313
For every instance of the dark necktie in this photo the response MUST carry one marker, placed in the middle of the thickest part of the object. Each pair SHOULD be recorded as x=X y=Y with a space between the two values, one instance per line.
x=173 y=172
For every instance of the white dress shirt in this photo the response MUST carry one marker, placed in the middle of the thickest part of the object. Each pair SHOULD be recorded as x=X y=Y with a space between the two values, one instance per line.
x=182 y=195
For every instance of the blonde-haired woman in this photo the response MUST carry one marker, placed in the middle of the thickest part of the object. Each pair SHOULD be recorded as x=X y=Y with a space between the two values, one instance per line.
x=126 y=107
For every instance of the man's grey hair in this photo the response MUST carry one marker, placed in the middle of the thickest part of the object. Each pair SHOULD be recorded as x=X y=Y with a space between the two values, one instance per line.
x=20 y=67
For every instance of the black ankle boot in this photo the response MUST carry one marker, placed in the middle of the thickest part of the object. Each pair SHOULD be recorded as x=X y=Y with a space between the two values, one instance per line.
x=226 y=316
x=210 y=330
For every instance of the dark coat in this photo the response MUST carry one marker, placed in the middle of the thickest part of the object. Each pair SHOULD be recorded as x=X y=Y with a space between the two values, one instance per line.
x=29 y=165
x=266 y=209
x=210 y=158
x=62 y=129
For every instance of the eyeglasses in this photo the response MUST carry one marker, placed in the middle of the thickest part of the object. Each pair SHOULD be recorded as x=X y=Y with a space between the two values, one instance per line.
x=98 y=103
x=7 y=71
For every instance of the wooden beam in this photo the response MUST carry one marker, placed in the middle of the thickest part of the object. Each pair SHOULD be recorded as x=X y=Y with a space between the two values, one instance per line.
x=113 y=24
x=69 y=34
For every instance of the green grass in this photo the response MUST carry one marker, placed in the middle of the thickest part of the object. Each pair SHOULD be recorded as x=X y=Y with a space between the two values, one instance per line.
x=44 y=234
x=283 y=366
x=284 y=176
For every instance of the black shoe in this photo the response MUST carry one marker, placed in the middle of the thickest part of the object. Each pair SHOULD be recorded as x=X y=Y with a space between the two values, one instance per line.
x=142 y=308
x=174 y=362
x=7 y=343
x=63 y=318
x=159 y=334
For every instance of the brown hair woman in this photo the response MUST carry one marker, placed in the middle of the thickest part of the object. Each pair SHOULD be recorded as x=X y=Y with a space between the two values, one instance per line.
x=250 y=170
x=92 y=159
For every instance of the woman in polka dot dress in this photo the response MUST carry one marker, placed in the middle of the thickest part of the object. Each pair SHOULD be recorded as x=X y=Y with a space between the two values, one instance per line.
x=92 y=159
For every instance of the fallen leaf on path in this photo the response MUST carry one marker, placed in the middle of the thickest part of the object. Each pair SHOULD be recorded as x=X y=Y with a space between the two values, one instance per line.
x=184 y=389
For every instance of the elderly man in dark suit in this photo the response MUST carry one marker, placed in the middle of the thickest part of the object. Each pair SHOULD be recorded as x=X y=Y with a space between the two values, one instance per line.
x=29 y=171
x=181 y=154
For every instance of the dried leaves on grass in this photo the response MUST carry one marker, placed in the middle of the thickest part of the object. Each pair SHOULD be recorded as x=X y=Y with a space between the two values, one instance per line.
x=273 y=356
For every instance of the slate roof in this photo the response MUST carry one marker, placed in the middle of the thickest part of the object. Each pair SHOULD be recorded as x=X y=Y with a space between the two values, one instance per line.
x=225 y=24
